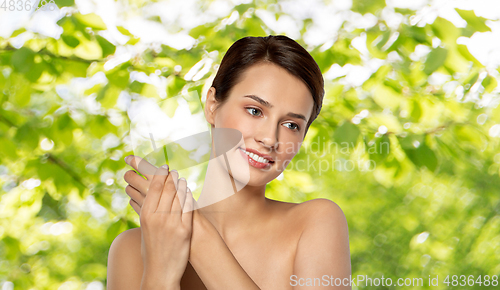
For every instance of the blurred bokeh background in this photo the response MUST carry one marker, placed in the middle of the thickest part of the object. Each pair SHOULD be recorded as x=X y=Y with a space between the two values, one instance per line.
x=411 y=86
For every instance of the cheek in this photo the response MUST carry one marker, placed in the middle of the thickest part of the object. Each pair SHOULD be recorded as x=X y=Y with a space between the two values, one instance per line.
x=236 y=120
x=289 y=150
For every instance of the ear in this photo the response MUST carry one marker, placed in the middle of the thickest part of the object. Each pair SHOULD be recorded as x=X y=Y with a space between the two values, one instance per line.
x=210 y=106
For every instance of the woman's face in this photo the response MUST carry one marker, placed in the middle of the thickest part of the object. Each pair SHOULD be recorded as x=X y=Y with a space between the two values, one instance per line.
x=271 y=108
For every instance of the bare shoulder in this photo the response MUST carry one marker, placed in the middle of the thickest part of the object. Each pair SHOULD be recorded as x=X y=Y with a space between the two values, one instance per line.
x=129 y=237
x=321 y=210
x=125 y=261
x=324 y=242
x=321 y=204
x=311 y=212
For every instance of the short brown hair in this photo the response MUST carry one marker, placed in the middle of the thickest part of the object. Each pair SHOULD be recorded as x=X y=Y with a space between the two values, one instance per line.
x=278 y=49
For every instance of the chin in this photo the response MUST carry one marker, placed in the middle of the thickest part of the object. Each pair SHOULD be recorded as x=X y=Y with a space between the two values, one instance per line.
x=259 y=178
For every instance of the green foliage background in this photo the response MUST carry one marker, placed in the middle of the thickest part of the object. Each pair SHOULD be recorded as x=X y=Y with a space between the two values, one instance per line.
x=429 y=206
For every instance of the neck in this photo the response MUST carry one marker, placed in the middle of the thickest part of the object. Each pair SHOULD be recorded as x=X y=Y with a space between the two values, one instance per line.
x=230 y=210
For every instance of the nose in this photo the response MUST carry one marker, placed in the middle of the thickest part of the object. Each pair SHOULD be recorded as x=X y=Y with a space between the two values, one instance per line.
x=268 y=138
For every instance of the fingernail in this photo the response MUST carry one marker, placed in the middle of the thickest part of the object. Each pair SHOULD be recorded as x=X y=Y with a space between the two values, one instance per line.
x=126 y=157
x=182 y=178
x=165 y=166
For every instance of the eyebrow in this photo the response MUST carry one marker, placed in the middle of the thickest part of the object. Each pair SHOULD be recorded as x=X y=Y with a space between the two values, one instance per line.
x=269 y=105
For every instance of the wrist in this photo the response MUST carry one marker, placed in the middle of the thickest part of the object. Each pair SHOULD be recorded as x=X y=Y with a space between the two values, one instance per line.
x=158 y=281
x=200 y=223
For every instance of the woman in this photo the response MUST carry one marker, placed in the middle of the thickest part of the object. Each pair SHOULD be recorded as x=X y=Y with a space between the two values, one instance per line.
x=270 y=89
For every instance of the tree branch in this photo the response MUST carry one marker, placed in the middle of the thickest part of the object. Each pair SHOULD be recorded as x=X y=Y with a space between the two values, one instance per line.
x=66 y=168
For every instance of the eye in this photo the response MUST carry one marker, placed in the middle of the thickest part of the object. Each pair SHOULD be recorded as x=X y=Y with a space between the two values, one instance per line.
x=252 y=110
x=296 y=128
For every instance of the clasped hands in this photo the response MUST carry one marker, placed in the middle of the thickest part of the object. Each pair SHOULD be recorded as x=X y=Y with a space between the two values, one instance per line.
x=165 y=206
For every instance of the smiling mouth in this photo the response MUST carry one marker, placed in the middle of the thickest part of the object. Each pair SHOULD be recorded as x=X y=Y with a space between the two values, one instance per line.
x=256 y=157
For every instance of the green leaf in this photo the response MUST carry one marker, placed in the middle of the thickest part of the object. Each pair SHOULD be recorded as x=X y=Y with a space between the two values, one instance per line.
x=100 y=126
x=91 y=20
x=12 y=247
x=470 y=135
x=64 y=3
x=70 y=40
x=68 y=25
x=8 y=149
x=367 y=6
x=62 y=130
x=76 y=68
x=489 y=83
x=19 y=90
x=347 y=132
x=435 y=59
x=23 y=59
x=174 y=85
x=107 y=47
x=380 y=149
x=421 y=156
x=27 y=135
x=136 y=87
x=416 y=111
x=103 y=199
x=404 y=11
x=119 y=76
x=445 y=30
x=51 y=209
x=88 y=50
x=108 y=96
x=149 y=91
x=35 y=72
x=477 y=23
x=124 y=31
x=374 y=36
x=19 y=31
x=411 y=141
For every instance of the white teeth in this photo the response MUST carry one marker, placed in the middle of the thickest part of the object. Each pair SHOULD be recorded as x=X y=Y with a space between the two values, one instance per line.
x=256 y=157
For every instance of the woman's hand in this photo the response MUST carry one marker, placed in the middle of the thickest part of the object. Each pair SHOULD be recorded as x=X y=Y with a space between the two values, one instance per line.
x=166 y=226
x=138 y=186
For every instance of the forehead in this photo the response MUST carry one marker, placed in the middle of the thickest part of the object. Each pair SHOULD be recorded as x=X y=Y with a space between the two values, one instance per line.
x=277 y=86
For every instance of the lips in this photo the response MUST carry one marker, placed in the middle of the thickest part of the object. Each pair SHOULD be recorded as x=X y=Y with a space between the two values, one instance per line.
x=255 y=163
x=271 y=160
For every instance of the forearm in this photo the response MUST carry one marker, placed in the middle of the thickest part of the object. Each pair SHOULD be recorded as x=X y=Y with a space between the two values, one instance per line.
x=213 y=261
x=154 y=280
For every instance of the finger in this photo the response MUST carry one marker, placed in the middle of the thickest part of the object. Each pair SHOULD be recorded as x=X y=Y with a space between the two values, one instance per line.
x=181 y=195
x=136 y=181
x=155 y=190
x=176 y=179
x=134 y=194
x=141 y=165
x=168 y=194
x=135 y=206
x=187 y=214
